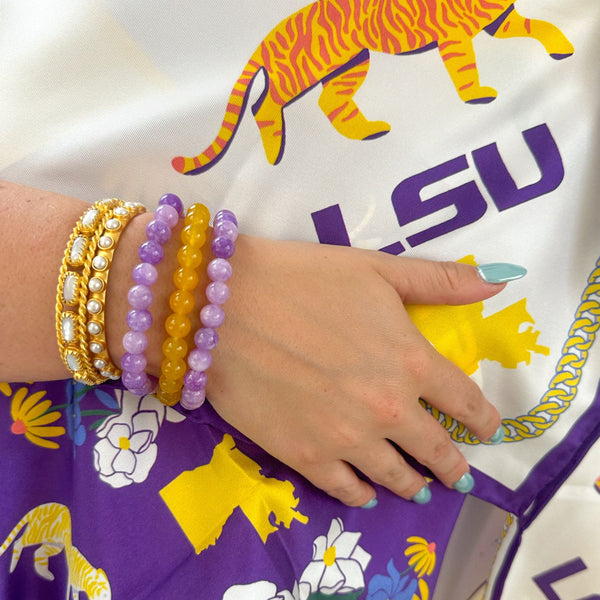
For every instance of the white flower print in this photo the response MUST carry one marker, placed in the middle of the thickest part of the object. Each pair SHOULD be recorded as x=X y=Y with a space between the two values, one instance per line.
x=127 y=450
x=265 y=590
x=338 y=562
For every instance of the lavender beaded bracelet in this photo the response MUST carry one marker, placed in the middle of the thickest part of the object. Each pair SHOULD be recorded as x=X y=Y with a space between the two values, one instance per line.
x=139 y=319
x=225 y=232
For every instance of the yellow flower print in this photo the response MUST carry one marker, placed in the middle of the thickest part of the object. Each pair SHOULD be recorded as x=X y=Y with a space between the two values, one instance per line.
x=31 y=417
x=423 y=555
x=5 y=389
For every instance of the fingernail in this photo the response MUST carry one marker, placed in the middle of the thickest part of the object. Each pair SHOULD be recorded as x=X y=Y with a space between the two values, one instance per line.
x=501 y=272
x=423 y=496
x=498 y=437
x=372 y=503
x=465 y=484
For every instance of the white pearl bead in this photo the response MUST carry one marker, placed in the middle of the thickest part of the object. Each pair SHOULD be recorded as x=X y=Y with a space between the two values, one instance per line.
x=112 y=224
x=73 y=361
x=96 y=348
x=105 y=242
x=94 y=328
x=70 y=287
x=99 y=263
x=121 y=211
x=89 y=219
x=68 y=328
x=99 y=364
x=96 y=284
x=94 y=307
x=78 y=250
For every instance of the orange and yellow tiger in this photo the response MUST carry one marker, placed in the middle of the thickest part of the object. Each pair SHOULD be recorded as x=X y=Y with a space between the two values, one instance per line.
x=329 y=41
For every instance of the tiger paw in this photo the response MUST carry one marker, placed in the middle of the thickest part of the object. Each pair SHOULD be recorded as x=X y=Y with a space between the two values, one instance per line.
x=479 y=95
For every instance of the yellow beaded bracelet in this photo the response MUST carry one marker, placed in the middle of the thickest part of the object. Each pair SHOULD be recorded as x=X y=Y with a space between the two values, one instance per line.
x=83 y=278
x=181 y=302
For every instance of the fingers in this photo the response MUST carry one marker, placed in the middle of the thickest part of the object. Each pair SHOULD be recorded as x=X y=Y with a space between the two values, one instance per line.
x=420 y=281
x=339 y=480
x=453 y=393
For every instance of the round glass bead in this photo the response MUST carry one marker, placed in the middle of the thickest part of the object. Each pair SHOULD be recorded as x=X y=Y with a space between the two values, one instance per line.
x=133 y=363
x=94 y=306
x=174 y=347
x=139 y=320
x=135 y=342
x=206 y=338
x=170 y=386
x=219 y=269
x=226 y=215
x=167 y=214
x=96 y=284
x=140 y=296
x=185 y=278
x=197 y=213
x=217 y=292
x=178 y=326
x=170 y=399
x=191 y=400
x=181 y=302
x=133 y=379
x=188 y=256
x=158 y=231
x=225 y=229
x=173 y=369
x=222 y=247
x=147 y=388
x=194 y=235
x=145 y=273
x=195 y=380
x=212 y=315
x=174 y=201
x=151 y=251
x=199 y=360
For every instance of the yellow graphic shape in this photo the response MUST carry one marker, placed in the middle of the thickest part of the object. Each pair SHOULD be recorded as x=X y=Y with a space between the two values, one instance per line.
x=202 y=500
x=466 y=337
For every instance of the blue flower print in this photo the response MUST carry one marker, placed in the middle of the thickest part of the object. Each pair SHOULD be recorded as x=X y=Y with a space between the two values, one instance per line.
x=396 y=586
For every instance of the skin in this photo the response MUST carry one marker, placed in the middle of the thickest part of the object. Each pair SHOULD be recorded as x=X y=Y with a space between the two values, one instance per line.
x=316 y=343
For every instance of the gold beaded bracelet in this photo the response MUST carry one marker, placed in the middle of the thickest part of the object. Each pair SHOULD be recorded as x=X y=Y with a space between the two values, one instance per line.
x=181 y=301
x=82 y=286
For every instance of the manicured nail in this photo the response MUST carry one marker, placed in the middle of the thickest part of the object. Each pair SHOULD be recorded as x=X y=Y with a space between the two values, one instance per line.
x=501 y=272
x=498 y=437
x=372 y=503
x=465 y=484
x=423 y=496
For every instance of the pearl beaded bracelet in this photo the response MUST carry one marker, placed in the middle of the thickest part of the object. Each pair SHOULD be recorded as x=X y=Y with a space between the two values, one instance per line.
x=140 y=298
x=82 y=283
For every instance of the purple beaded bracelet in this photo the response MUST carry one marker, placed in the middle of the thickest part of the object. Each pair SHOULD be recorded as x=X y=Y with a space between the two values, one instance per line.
x=225 y=232
x=139 y=319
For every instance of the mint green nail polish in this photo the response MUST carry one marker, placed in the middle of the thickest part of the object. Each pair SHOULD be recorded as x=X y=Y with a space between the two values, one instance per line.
x=423 y=496
x=501 y=272
x=465 y=484
x=372 y=503
x=498 y=437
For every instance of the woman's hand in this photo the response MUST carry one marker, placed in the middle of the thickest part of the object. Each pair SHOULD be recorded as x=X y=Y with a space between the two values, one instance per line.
x=319 y=364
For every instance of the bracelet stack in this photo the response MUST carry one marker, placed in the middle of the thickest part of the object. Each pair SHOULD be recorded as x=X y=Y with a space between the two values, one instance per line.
x=82 y=283
x=81 y=294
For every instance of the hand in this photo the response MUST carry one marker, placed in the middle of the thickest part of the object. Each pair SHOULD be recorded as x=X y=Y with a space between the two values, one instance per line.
x=319 y=364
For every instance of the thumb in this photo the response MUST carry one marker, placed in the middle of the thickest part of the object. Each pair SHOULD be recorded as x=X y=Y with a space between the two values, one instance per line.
x=419 y=281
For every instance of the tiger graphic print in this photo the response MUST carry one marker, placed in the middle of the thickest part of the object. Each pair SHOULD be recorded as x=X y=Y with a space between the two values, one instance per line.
x=329 y=42
x=49 y=527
